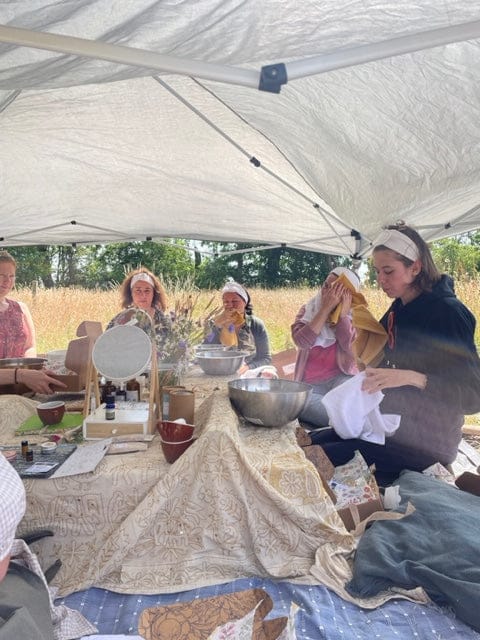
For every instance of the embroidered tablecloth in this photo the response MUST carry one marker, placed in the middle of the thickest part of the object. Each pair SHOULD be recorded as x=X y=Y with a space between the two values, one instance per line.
x=241 y=501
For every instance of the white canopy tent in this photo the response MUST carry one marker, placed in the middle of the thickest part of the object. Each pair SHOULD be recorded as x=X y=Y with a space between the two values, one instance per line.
x=149 y=122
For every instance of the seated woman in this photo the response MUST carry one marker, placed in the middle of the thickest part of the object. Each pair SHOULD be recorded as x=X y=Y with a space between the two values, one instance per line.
x=325 y=355
x=236 y=326
x=430 y=373
x=141 y=289
x=17 y=333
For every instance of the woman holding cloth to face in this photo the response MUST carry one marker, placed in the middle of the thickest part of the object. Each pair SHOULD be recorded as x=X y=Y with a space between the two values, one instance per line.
x=325 y=356
x=236 y=326
x=430 y=374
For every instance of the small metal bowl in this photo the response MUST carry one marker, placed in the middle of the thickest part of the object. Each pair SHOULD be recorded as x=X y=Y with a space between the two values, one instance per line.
x=268 y=403
x=220 y=363
x=22 y=363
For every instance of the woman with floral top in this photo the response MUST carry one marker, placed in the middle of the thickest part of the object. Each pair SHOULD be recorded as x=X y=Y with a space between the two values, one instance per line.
x=17 y=333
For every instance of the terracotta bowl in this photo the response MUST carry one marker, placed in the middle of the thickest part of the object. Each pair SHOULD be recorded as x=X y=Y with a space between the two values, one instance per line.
x=51 y=412
x=173 y=450
x=174 y=431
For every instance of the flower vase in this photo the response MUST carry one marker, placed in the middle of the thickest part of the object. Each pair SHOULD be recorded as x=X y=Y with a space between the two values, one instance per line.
x=168 y=375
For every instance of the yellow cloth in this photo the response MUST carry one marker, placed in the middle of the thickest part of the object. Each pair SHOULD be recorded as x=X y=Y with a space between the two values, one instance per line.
x=371 y=336
x=357 y=298
x=228 y=335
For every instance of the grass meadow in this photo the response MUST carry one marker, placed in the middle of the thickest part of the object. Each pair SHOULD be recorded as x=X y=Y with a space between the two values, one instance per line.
x=57 y=312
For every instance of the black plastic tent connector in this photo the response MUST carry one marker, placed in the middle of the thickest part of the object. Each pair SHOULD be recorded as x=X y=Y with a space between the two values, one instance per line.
x=272 y=76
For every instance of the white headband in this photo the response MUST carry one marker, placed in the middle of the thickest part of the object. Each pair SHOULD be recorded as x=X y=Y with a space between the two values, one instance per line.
x=234 y=287
x=399 y=242
x=144 y=277
x=12 y=501
x=349 y=274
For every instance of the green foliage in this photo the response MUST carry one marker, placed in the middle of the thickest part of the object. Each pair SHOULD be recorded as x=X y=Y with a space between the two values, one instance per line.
x=458 y=257
x=34 y=264
x=108 y=264
x=104 y=266
x=270 y=268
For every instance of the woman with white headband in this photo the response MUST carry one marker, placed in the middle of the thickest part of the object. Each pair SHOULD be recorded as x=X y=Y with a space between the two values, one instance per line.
x=325 y=356
x=236 y=326
x=141 y=289
x=430 y=374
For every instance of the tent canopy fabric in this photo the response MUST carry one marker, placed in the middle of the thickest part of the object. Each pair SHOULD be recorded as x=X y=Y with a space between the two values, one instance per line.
x=97 y=150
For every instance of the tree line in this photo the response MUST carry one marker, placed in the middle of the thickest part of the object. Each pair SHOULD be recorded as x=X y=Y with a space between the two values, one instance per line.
x=104 y=266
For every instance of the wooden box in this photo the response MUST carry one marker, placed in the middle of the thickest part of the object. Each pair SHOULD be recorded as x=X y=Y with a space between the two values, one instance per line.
x=73 y=381
x=284 y=362
x=131 y=419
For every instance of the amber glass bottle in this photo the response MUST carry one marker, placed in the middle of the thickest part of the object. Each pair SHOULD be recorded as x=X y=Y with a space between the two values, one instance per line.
x=133 y=390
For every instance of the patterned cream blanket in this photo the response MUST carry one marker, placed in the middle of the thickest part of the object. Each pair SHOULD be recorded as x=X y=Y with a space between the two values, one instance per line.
x=242 y=500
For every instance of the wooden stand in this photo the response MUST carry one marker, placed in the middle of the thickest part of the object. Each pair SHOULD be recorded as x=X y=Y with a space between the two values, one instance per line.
x=92 y=388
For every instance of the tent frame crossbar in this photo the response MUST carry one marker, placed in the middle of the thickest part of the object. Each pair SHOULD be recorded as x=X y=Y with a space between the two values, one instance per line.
x=269 y=78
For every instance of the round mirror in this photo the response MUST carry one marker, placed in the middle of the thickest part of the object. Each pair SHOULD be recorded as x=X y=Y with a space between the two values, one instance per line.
x=122 y=352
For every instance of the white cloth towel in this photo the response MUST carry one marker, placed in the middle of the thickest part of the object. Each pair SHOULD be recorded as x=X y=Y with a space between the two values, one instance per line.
x=354 y=413
x=267 y=371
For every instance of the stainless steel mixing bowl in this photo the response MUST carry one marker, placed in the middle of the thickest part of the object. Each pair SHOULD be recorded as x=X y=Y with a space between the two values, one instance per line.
x=220 y=363
x=268 y=403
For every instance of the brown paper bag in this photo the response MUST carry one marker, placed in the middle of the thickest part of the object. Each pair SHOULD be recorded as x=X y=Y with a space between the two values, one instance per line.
x=196 y=620
x=181 y=405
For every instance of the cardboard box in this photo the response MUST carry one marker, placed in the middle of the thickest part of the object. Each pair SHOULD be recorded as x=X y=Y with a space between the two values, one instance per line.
x=284 y=362
x=131 y=419
x=73 y=382
x=353 y=514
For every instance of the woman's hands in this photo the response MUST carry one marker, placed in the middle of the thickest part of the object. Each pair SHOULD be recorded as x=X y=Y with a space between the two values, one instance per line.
x=226 y=318
x=243 y=369
x=379 y=379
x=332 y=295
x=346 y=302
x=38 y=380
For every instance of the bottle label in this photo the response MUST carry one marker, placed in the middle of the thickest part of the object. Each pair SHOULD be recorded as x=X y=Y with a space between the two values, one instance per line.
x=132 y=396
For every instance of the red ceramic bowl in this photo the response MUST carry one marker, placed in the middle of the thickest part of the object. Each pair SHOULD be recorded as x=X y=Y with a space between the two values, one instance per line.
x=51 y=412
x=173 y=450
x=174 y=431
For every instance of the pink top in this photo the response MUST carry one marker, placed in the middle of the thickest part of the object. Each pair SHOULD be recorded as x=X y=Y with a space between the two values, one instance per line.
x=14 y=332
x=304 y=338
x=321 y=364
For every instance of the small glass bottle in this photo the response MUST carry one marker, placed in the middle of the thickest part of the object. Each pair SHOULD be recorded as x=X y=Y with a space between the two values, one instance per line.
x=108 y=389
x=133 y=390
x=110 y=407
x=24 y=448
x=120 y=394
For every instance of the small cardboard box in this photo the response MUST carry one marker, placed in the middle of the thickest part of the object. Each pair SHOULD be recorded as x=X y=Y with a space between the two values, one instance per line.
x=284 y=362
x=130 y=419
x=72 y=381
x=353 y=514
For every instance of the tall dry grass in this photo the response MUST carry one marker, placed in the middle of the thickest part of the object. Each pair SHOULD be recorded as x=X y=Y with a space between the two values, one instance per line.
x=58 y=312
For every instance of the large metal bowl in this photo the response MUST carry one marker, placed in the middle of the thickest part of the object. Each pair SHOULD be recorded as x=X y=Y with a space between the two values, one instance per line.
x=268 y=403
x=22 y=363
x=220 y=363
